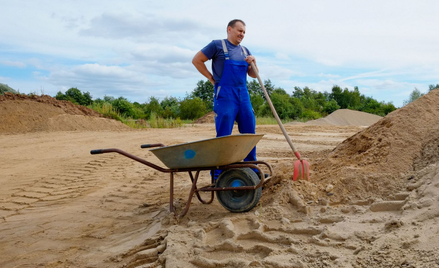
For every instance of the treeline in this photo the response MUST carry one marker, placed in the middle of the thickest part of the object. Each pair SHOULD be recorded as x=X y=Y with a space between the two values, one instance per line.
x=301 y=104
x=306 y=103
x=120 y=108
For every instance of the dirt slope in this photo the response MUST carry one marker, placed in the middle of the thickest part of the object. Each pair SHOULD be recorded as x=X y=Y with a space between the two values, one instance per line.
x=373 y=161
x=21 y=113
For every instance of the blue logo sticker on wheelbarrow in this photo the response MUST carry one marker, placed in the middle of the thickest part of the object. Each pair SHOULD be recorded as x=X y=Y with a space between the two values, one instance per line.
x=189 y=154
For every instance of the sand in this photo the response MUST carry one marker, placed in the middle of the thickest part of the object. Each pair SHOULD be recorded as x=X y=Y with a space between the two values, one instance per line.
x=346 y=117
x=372 y=200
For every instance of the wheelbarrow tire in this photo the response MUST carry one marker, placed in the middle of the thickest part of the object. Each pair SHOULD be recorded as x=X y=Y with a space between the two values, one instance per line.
x=242 y=200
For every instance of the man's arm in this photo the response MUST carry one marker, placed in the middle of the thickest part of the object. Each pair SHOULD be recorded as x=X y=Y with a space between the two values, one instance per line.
x=250 y=71
x=198 y=61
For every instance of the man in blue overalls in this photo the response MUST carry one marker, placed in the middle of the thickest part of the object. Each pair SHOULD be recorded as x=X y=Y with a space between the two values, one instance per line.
x=230 y=66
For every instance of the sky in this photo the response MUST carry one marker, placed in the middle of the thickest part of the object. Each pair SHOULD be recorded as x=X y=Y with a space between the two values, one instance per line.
x=144 y=49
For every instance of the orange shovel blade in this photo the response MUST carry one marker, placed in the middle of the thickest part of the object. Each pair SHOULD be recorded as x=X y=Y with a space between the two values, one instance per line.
x=301 y=169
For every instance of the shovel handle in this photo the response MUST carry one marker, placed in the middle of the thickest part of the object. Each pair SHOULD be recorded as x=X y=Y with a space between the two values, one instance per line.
x=296 y=153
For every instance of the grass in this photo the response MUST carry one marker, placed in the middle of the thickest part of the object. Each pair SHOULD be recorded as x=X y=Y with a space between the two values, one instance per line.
x=270 y=121
x=155 y=121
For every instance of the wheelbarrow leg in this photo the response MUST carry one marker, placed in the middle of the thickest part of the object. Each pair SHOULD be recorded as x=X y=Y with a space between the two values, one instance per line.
x=171 y=193
x=212 y=196
x=191 y=194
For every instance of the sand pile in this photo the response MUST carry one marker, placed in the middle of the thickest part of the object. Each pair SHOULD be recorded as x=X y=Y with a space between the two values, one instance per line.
x=374 y=161
x=207 y=118
x=346 y=117
x=21 y=113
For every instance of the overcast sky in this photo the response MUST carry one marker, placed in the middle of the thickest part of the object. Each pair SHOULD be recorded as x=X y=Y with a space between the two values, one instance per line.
x=140 y=49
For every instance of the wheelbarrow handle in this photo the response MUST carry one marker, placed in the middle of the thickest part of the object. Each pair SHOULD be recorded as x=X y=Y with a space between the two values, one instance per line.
x=152 y=145
x=97 y=151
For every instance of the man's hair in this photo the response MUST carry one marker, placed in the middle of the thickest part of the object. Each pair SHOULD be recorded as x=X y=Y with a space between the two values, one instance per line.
x=233 y=22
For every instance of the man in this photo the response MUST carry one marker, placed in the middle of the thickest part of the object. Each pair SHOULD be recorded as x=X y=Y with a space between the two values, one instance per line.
x=230 y=66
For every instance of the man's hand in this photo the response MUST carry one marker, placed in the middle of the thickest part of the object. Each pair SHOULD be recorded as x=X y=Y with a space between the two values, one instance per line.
x=249 y=59
x=251 y=72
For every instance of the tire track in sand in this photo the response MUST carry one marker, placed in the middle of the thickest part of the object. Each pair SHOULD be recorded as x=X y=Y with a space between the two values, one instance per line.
x=72 y=182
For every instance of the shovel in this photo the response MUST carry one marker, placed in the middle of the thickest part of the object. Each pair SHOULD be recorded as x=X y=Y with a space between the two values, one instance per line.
x=301 y=166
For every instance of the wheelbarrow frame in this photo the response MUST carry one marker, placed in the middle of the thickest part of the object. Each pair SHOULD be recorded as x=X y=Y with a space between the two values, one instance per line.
x=194 y=179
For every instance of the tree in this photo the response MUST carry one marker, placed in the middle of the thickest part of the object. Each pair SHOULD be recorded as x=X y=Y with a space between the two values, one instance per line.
x=171 y=107
x=355 y=99
x=76 y=96
x=337 y=95
x=109 y=99
x=298 y=108
x=371 y=106
x=297 y=93
x=331 y=106
x=205 y=91
x=124 y=107
x=192 y=108
x=153 y=107
x=431 y=87
x=255 y=88
x=416 y=94
x=257 y=102
x=61 y=96
x=283 y=107
x=388 y=108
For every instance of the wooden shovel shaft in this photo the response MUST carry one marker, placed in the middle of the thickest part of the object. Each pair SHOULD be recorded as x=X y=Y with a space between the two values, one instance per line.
x=296 y=153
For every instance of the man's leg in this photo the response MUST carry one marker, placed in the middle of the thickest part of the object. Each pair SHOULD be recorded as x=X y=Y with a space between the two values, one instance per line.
x=247 y=124
x=225 y=114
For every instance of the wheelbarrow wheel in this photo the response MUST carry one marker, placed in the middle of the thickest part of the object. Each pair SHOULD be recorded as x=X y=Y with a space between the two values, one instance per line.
x=241 y=200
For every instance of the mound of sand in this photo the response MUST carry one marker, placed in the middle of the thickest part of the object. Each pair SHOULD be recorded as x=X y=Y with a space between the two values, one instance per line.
x=22 y=113
x=374 y=161
x=346 y=117
x=207 y=118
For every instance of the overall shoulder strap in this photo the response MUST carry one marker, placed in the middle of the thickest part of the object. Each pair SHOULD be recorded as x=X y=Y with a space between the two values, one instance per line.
x=244 y=49
x=226 y=51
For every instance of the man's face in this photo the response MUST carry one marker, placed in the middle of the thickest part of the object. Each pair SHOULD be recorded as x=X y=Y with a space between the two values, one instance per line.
x=236 y=34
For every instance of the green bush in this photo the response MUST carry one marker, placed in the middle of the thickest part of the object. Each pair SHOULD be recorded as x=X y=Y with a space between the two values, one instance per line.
x=107 y=110
x=282 y=105
x=330 y=107
x=310 y=115
x=124 y=107
x=192 y=108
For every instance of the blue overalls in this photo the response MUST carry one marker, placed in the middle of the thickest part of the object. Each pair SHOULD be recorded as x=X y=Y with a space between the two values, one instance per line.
x=232 y=101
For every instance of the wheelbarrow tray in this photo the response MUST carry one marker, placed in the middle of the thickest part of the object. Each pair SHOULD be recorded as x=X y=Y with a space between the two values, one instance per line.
x=212 y=152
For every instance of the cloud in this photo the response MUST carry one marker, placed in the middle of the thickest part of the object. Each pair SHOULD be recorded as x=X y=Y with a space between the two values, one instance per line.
x=162 y=53
x=272 y=71
x=98 y=78
x=142 y=27
x=328 y=75
x=17 y=64
x=281 y=56
x=140 y=48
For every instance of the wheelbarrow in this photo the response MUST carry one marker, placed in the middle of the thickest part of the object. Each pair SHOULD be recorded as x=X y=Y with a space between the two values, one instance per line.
x=238 y=188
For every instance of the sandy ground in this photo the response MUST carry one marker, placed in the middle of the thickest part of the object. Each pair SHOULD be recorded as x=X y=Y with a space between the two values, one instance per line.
x=62 y=207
